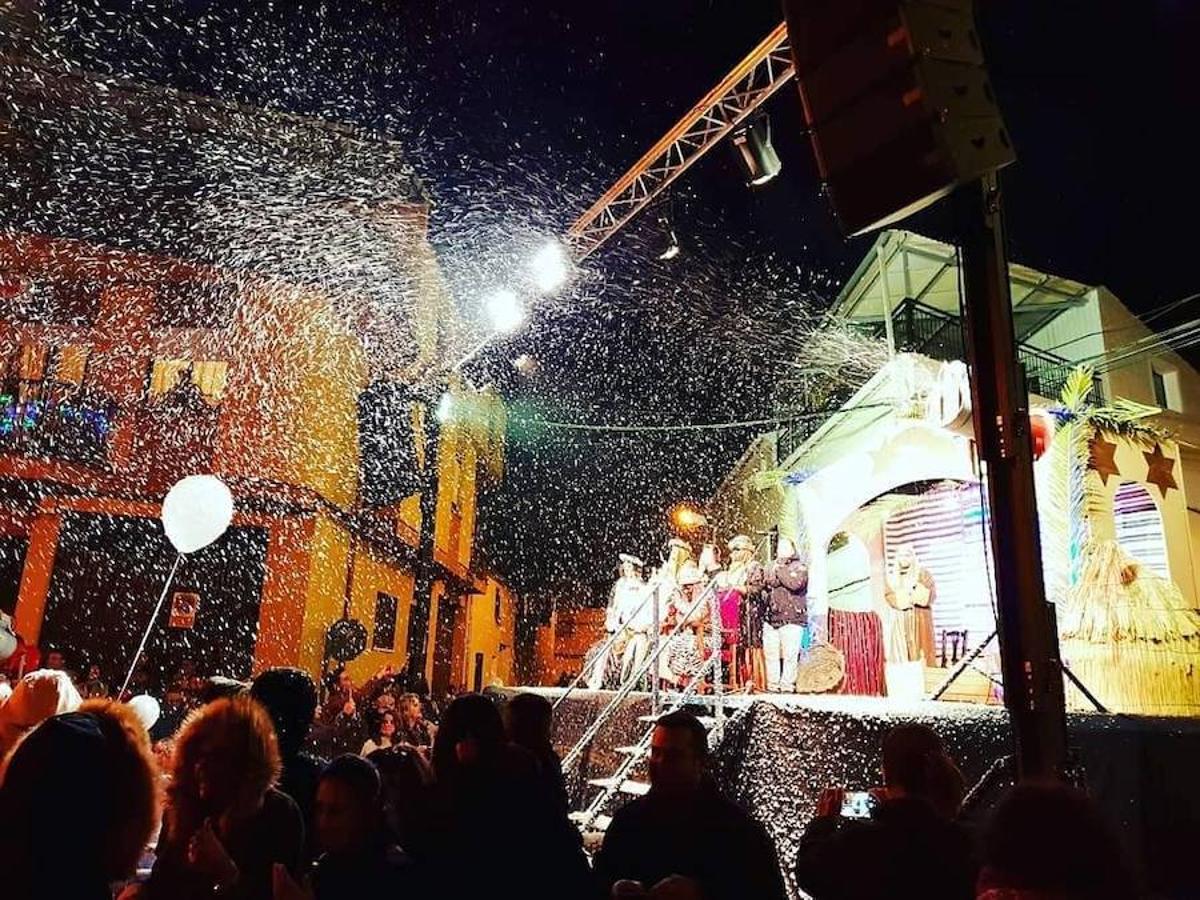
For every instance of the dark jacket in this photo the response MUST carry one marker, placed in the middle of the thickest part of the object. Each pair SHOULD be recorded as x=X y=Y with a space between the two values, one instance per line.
x=904 y=850
x=787 y=587
x=702 y=836
x=382 y=870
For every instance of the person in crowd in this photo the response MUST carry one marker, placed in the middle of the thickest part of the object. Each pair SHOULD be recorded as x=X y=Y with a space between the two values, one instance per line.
x=489 y=797
x=226 y=824
x=357 y=857
x=341 y=720
x=909 y=846
x=786 y=615
x=94 y=686
x=55 y=660
x=173 y=711
x=529 y=722
x=289 y=696
x=684 y=827
x=407 y=780
x=1048 y=840
x=413 y=729
x=385 y=730
x=38 y=696
x=693 y=607
x=80 y=796
x=745 y=577
x=215 y=687
x=430 y=709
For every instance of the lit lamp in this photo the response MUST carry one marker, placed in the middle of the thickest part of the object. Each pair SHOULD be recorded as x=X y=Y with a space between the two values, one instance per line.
x=688 y=518
x=759 y=160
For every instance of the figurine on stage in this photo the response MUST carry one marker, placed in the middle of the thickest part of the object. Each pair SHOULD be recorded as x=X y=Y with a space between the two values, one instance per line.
x=911 y=591
x=628 y=610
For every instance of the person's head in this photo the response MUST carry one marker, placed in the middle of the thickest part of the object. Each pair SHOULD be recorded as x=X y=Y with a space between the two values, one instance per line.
x=345 y=683
x=529 y=720
x=785 y=549
x=226 y=758
x=916 y=764
x=93 y=672
x=290 y=698
x=385 y=729
x=471 y=736
x=409 y=709
x=691 y=581
x=741 y=549
x=630 y=566
x=385 y=702
x=678 y=753
x=348 y=809
x=217 y=686
x=84 y=782
x=1050 y=838
x=174 y=694
x=406 y=778
x=36 y=697
x=906 y=556
x=55 y=659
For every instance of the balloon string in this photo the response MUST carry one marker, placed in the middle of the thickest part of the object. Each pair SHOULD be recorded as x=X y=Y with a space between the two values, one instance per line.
x=150 y=625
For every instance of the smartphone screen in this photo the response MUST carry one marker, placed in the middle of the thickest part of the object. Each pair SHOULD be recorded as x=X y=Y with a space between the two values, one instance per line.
x=857 y=804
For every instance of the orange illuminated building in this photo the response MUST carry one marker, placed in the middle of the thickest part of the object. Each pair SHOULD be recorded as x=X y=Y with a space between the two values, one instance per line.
x=127 y=362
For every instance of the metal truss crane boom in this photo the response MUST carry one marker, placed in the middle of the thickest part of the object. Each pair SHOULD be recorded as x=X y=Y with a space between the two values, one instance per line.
x=766 y=69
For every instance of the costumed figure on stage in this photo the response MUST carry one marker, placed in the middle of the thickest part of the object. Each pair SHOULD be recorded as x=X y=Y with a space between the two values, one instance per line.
x=910 y=592
x=739 y=592
x=855 y=629
x=1129 y=635
x=666 y=590
x=694 y=605
x=786 y=616
x=629 y=585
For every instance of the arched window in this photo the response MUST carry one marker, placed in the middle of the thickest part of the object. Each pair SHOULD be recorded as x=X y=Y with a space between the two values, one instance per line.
x=1139 y=527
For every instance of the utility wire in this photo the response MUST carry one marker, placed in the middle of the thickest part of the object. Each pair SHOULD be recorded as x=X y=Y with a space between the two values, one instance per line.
x=694 y=426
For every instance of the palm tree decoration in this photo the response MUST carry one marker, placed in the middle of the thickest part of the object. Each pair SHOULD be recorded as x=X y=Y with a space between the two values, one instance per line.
x=1126 y=631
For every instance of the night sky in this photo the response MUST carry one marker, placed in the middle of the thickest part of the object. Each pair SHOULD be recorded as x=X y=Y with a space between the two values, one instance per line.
x=519 y=114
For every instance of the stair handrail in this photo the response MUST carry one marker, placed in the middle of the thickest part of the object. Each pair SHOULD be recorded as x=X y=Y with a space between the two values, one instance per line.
x=651 y=588
x=627 y=687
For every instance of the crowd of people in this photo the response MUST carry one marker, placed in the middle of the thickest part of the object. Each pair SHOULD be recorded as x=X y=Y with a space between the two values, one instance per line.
x=754 y=615
x=267 y=791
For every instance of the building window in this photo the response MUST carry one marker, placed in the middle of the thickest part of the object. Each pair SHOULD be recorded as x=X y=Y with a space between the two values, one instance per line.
x=383 y=635
x=1166 y=388
x=207 y=375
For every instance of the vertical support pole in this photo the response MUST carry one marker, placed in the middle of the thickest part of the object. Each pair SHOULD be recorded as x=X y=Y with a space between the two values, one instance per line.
x=1033 y=686
x=422 y=601
x=885 y=296
x=655 y=699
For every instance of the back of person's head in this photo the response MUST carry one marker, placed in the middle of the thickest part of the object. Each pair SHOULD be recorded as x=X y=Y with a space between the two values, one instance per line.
x=349 y=807
x=915 y=761
x=225 y=759
x=290 y=697
x=216 y=687
x=529 y=719
x=81 y=794
x=1049 y=838
x=471 y=735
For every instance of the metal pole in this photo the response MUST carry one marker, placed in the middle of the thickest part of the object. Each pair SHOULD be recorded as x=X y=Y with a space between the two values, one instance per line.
x=1033 y=687
x=655 y=700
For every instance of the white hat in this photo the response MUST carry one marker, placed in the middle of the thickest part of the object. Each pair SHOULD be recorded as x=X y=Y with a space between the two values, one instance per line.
x=741 y=542
x=632 y=560
x=689 y=573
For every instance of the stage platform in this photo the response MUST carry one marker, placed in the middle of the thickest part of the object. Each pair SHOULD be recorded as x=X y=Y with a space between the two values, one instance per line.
x=781 y=750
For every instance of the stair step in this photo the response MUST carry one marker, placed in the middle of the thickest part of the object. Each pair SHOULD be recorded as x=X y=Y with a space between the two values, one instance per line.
x=627 y=786
x=600 y=823
x=706 y=721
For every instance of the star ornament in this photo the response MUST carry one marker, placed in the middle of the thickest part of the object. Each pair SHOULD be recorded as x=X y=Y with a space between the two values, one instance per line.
x=1160 y=470
x=1102 y=457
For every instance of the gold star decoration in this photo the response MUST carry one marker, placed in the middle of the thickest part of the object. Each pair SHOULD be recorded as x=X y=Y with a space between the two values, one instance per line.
x=1160 y=470
x=1102 y=457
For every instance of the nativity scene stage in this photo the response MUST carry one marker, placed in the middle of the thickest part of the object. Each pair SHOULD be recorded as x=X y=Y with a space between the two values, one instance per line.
x=884 y=499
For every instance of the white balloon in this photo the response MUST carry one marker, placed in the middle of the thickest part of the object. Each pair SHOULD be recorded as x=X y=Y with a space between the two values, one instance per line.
x=196 y=511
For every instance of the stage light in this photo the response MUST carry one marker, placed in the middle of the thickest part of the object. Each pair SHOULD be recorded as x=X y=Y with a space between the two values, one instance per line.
x=504 y=309
x=759 y=160
x=550 y=267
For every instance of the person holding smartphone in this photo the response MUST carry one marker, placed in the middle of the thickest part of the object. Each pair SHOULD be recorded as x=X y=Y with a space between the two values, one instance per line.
x=899 y=840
